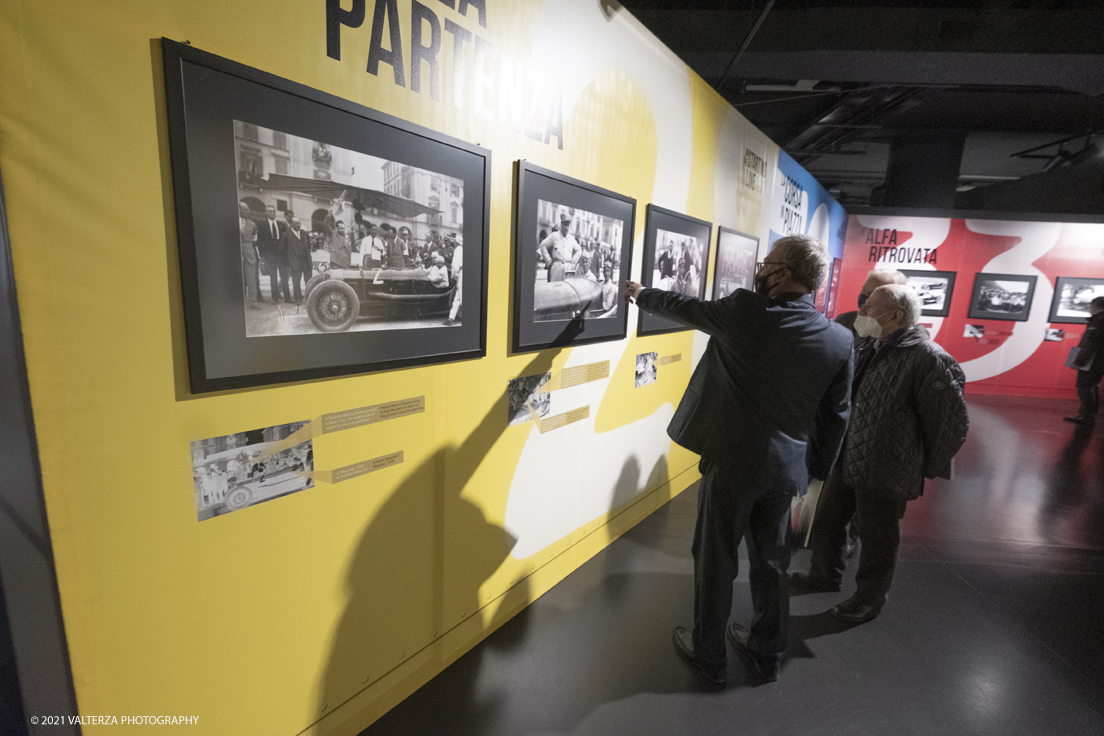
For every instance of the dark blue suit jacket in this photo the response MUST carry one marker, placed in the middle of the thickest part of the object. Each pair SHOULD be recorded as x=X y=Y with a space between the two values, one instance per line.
x=771 y=397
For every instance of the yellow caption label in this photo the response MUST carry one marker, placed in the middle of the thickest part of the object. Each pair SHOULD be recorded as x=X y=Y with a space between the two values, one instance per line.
x=371 y=414
x=668 y=359
x=562 y=420
x=576 y=376
x=358 y=469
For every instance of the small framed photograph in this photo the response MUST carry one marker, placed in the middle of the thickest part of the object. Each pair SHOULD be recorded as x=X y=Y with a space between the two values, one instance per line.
x=934 y=289
x=676 y=257
x=735 y=266
x=572 y=251
x=1002 y=296
x=317 y=237
x=1071 y=299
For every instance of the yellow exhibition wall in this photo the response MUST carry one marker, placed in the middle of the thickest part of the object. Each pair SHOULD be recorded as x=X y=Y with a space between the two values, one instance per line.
x=318 y=611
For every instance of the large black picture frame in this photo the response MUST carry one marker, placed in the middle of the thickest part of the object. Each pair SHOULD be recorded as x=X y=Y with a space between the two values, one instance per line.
x=736 y=246
x=1073 y=308
x=205 y=95
x=540 y=319
x=982 y=305
x=927 y=285
x=675 y=224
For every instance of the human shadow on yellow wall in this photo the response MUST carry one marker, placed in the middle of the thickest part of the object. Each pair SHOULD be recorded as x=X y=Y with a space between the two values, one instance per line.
x=418 y=567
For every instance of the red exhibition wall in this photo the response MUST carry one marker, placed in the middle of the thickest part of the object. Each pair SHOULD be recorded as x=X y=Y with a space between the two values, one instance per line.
x=1012 y=358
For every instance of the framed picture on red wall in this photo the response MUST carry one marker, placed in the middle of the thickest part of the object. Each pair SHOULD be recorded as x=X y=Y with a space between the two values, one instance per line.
x=934 y=288
x=1071 y=299
x=1002 y=296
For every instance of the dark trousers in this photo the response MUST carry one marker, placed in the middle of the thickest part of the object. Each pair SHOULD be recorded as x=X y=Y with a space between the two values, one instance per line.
x=277 y=267
x=298 y=275
x=728 y=510
x=1088 y=392
x=878 y=522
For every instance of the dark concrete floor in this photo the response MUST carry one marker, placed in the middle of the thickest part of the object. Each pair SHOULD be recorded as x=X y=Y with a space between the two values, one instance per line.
x=993 y=627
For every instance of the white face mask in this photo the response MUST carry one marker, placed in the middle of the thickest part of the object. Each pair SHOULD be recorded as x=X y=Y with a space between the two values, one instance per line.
x=867 y=326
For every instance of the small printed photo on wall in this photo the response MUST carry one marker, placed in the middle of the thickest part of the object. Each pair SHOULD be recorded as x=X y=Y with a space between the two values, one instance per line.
x=974 y=331
x=244 y=469
x=524 y=401
x=646 y=369
x=1054 y=335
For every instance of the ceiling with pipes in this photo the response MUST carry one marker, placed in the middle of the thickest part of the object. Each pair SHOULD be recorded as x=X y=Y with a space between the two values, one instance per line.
x=1004 y=95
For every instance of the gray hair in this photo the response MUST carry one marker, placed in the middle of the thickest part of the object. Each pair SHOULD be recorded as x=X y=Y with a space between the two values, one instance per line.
x=806 y=257
x=902 y=297
x=885 y=278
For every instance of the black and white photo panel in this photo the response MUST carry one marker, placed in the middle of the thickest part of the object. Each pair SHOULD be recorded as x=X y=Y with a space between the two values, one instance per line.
x=1002 y=297
x=1072 y=296
x=572 y=251
x=317 y=237
x=676 y=258
x=934 y=289
x=735 y=267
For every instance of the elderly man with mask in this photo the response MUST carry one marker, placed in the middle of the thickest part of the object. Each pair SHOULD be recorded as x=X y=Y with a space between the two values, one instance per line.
x=766 y=408
x=908 y=419
x=874 y=279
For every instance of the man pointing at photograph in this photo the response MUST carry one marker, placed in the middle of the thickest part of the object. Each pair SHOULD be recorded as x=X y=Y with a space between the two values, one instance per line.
x=766 y=408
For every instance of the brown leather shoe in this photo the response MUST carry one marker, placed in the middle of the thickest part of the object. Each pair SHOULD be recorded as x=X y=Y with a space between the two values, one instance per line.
x=684 y=645
x=852 y=611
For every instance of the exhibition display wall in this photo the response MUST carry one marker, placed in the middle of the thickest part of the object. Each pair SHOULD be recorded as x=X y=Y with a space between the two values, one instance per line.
x=1006 y=298
x=297 y=552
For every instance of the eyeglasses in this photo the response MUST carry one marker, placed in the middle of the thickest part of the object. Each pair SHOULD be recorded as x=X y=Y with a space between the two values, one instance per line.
x=763 y=264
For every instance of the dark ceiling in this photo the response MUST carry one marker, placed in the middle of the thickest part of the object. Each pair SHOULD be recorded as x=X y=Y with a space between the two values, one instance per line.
x=864 y=94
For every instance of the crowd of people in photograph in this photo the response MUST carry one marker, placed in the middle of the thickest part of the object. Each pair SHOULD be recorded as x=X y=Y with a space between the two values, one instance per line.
x=678 y=265
x=281 y=250
x=563 y=255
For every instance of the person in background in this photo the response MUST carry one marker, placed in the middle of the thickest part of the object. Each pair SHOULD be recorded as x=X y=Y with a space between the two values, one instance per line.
x=766 y=407
x=458 y=279
x=247 y=231
x=298 y=256
x=337 y=241
x=874 y=279
x=1090 y=365
x=908 y=419
x=269 y=232
x=438 y=273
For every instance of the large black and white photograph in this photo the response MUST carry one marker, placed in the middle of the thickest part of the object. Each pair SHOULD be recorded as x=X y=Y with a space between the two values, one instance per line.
x=317 y=237
x=234 y=471
x=1002 y=296
x=525 y=403
x=1071 y=299
x=578 y=264
x=572 y=251
x=335 y=240
x=735 y=262
x=934 y=289
x=676 y=254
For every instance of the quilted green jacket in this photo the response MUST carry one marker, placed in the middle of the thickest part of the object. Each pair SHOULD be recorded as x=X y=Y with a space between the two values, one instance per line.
x=908 y=417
